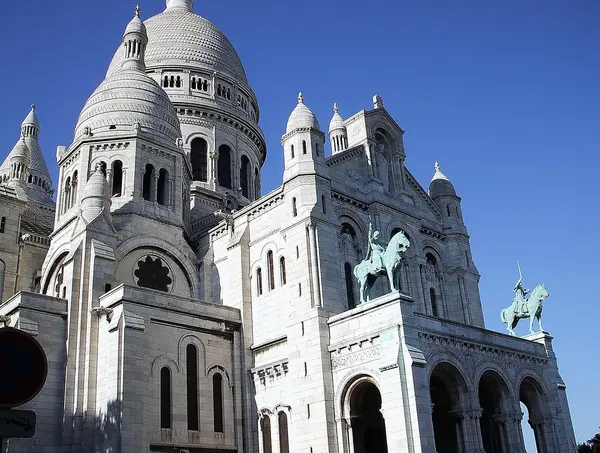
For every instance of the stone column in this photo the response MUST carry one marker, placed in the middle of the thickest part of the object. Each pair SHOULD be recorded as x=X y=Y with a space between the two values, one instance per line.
x=459 y=418
x=473 y=439
x=212 y=166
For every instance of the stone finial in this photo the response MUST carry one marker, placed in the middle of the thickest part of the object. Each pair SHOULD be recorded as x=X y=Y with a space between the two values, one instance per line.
x=300 y=98
x=138 y=10
x=377 y=102
x=336 y=109
x=438 y=173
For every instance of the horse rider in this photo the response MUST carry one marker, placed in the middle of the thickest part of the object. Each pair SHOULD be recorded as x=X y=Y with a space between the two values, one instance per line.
x=377 y=248
x=521 y=297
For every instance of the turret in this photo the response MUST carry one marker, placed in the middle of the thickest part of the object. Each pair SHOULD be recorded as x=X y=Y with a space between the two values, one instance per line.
x=442 y=192
x=303 y=143
x=95 y=197
x=20 y=158
x=337 y=132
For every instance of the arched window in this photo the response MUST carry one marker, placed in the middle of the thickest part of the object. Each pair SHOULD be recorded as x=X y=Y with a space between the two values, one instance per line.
x=323 y=205
x=178 y=82
x=293 y=154
x=224 y=166
x=30 y=179
x=349 y=286
x=271 y=269
x=432 y=298
x=2 y=224
x=448 y=209
x=166 y=82
x=147 y=183
x=284 y=443
x=259 y=284
x=193 y=83
x=303 y=146
x=317 y=149
x=245 y=177
x=117 y=175
x=67 y=199
x=265 y=427
x=73 y=190
x=162 y=195
x=165 y=398
x=172 y=82
x=282 y=270
x=199 y=158
x=218 y=402
x=294 y=207
x=192 y=387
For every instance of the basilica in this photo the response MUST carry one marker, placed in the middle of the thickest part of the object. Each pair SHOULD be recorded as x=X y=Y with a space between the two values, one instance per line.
x=182 y=310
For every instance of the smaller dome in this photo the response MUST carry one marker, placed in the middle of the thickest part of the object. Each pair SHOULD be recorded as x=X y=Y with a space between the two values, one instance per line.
x=136 y=25
x=440 y=184
x=337 y=122
x=129 y=98
x=21 y=150
x=301 y=117
x=95 y=195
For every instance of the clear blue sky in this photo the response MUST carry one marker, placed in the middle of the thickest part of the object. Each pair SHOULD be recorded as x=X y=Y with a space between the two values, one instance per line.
x=504 y=94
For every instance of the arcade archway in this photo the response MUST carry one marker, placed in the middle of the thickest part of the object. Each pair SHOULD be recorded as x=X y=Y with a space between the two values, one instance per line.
x=493 y=399
x=368 y=425
x=448 y=392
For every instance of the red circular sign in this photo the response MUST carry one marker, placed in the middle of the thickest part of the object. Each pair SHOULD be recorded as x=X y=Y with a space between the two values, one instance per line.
x=23 y=367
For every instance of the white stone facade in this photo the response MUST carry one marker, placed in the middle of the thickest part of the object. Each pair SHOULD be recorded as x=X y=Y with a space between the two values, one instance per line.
x=181 y=310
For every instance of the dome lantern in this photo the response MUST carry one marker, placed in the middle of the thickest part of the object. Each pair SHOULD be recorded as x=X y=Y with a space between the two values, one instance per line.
x=337 y=132
x=135 y=40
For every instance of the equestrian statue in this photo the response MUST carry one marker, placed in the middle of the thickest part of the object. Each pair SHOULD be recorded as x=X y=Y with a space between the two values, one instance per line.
x=526 y=304
x=382 y=259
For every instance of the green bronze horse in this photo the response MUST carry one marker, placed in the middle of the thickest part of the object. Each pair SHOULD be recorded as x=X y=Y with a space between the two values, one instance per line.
x=366 y=274
x=511 y=315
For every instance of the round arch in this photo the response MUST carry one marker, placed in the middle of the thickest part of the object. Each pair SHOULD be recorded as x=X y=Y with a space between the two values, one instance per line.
x=186 y=265
x=365 y=426
x=449 y=395
x=495 y=400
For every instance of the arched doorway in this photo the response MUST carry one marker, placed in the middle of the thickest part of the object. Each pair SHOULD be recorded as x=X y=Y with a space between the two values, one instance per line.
x=493 y=397
x=448 y=392
x=531 y=395
x=368 y=425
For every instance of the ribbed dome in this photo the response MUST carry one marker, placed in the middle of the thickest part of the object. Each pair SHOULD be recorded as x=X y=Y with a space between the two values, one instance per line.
x=337 y=122
x=125 y=98
x=440 y=184
x=301 y=117
x=180 y=37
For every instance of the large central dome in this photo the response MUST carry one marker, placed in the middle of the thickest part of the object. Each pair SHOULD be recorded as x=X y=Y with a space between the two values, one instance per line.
x=180 y=37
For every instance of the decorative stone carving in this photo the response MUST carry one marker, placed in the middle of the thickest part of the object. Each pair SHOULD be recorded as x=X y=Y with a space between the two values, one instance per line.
x=360 y=356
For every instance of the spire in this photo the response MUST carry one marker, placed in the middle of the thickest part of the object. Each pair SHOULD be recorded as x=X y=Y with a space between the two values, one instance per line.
x=30 y=126
x=187 y=5
x=135 y=40
x=300 y=98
